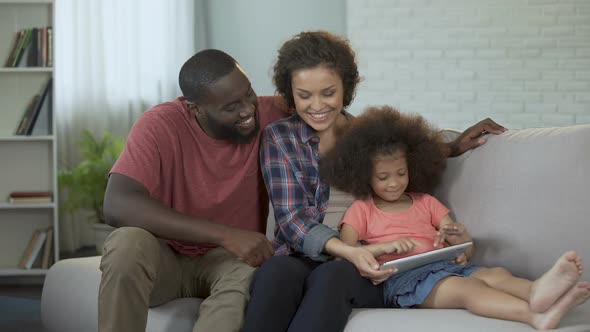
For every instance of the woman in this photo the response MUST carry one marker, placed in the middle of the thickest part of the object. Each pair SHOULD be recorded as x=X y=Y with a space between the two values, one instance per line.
x=301 y=288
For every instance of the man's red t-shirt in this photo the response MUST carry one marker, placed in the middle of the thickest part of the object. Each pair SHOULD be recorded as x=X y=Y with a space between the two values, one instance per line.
x=186 y=170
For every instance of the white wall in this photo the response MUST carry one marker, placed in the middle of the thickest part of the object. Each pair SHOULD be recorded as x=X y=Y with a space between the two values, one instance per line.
x=524 y=63
x=252 y=31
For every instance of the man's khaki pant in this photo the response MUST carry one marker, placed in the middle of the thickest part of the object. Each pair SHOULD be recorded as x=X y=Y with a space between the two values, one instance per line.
x=140 y=271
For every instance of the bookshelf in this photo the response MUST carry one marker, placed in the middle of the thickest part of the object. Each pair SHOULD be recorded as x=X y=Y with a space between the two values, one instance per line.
x=29 y=163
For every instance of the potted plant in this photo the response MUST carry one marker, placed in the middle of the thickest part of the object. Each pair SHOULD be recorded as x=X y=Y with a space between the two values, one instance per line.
x=84 y=185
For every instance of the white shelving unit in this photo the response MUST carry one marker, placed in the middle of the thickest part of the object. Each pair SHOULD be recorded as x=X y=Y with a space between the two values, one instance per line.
x=27 y=163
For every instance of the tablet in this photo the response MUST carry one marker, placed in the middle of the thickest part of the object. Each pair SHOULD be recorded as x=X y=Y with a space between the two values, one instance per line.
x=412 y=262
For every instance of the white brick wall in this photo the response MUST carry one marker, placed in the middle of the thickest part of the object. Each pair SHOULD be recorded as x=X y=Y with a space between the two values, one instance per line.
x=524 y=63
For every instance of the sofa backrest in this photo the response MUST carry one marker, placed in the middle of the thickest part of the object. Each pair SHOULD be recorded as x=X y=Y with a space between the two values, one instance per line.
x=525 y=197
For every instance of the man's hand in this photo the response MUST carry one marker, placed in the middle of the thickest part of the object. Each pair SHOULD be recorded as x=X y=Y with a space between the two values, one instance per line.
x=367 y=266
x=472 y=137
x=252 y=247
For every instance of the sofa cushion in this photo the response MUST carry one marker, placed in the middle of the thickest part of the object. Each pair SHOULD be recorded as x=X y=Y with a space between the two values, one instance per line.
x=450 y=320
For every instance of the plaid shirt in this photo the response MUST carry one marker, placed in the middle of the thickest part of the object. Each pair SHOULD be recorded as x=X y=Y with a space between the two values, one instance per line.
x=289 y=159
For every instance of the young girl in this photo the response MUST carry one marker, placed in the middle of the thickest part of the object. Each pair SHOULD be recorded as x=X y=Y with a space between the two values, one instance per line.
x=389 y=161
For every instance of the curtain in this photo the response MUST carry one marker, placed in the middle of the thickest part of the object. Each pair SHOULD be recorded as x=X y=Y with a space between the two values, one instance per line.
x=113 y=60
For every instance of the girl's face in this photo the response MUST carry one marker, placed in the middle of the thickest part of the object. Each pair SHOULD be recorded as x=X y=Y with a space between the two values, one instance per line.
x=390 y=177
x=318 y=94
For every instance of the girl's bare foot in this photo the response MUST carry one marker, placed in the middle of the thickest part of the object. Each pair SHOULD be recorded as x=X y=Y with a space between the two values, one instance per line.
x=555 y=282
x=550 y=319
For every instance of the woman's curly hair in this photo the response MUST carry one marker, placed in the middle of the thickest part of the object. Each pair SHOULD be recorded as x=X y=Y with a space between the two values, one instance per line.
x=311 y=49
x=384 y=131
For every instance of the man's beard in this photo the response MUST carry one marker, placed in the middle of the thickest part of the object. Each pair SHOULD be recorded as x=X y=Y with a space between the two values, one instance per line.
x=232 y=133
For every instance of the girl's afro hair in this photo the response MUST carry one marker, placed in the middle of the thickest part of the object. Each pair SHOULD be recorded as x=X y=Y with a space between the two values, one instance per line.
x=385 y=131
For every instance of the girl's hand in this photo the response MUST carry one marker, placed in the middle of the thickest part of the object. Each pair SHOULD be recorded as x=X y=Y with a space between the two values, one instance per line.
x=401 y=245
x=461 y=260
x=367 y=266
x=452 y=232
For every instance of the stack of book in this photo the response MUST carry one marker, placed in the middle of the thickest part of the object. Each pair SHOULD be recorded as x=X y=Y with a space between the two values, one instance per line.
x=30 y=197
x=41 y=241
x=39 y=103
x=33 y=44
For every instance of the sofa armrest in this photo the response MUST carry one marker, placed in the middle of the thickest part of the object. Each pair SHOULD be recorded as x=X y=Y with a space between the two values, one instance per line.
x=70 y=301
x=70 y=295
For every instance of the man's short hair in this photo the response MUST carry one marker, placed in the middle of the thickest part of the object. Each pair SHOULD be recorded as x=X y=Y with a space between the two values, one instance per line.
x=201 y=70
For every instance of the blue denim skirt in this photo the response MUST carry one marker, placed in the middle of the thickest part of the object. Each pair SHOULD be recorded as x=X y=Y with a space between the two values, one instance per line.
x=412 y=287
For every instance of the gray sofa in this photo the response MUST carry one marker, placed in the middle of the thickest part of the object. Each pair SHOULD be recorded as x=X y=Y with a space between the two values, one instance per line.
x=524 y=196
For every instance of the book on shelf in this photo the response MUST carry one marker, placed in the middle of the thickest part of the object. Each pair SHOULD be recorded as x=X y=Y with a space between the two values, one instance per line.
x=33 y=54
x=47 y=259
x=44 y=122
x=23 y=47
x=30 y=200
x=33 y=249
x=43 y=48
x=44 y=100
x=37 y=104
x=30 y=197
x=25 y=119
x=17 y=41
x=49 y=50
x=31 y=194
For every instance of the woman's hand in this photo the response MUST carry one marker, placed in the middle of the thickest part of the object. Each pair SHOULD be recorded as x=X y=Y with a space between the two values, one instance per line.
x=367 y=266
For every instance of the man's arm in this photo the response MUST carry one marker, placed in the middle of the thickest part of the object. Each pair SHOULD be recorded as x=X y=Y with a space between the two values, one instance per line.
x=471 y=138
x=128 y=203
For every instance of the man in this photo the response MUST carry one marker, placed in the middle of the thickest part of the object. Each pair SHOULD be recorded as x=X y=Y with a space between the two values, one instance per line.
x=188 y=198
